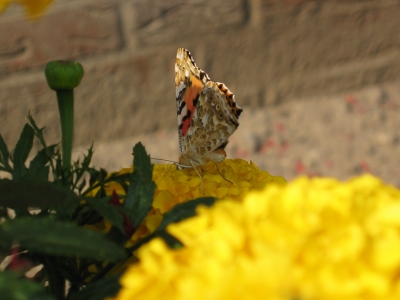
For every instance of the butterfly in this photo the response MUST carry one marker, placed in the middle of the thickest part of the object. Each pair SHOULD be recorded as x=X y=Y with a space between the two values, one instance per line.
x=207 y=114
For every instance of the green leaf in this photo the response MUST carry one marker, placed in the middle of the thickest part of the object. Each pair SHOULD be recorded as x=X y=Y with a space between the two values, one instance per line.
x=107 y=211
x=171 y=241
x=49 y=236
x=38 y=166
x=35 y=193
x=21 y=151
x=13 y=287
x=184 y=210
x=4 y=155
x=87 y=158
x=80 y=169
x=38 y=131
x=98 y=290
x=141 y=189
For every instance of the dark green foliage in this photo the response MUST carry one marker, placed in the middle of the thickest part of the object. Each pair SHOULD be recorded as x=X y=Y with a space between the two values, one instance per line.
x=34 y=193
x=21 y=152
x=52 y=205
x=38 y=167
x=54 y=211
x=98 y=290
x=4 y=156
x=13 y=287
x=141 y=190
x=58 y=238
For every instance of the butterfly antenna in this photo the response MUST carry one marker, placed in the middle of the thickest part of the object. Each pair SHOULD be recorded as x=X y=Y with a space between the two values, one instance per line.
x=184 y=166
x=202 y=183
x=221 y=173
x=171 y=161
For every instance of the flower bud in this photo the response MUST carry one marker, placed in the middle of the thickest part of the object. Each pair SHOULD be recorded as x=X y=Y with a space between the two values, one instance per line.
x=63 y=74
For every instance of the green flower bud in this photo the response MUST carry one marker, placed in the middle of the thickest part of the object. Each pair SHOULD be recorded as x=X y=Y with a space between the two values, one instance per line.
x=63 y=74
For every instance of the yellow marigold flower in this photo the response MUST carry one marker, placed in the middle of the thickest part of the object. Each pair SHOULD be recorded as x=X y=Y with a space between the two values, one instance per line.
x=177 y=186
x=34 y=8
x=310 y=239
x=3 y=5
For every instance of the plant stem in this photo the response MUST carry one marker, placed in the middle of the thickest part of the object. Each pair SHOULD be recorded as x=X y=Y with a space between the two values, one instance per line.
x=65 y=100
x=63 y=76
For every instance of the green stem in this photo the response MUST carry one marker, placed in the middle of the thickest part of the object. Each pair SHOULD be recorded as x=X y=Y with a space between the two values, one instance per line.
x=56 y=280
x=65 y=100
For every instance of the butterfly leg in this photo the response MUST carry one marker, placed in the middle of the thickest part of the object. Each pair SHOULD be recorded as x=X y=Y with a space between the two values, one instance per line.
x=221 y=173
x=169 y=168
x=202 y=183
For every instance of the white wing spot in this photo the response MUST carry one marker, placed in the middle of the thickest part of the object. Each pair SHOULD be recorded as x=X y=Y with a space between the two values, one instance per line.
x=179 y=89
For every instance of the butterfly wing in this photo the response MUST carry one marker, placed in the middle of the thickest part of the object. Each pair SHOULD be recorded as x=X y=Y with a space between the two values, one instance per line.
x=189 y=82
x=207 y=113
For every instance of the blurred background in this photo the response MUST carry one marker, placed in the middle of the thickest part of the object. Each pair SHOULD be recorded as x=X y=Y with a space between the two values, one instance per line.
x=319 y=81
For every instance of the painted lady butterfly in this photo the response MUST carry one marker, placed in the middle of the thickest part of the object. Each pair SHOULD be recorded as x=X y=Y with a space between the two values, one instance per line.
x=207 y=113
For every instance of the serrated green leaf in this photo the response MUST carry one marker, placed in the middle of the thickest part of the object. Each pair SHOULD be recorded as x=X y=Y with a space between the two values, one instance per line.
x=13 y=287
x=35 y=193
x=38 y=166
x=4 y=155
x=100 y=289
x=80 y=169
x=38 y=131
x=87 y=158
x=49 y=236
x=107 y=211
x=21 y=151
x=183 y=211
x=141 y=189
x=52 y=150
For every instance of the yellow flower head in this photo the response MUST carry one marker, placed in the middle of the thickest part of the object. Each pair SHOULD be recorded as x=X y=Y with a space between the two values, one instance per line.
x=311 y=239
x=34 y=8
x=177 y=186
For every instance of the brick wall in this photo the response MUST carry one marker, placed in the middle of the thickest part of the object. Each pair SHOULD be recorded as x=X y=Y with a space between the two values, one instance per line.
x=266 y=51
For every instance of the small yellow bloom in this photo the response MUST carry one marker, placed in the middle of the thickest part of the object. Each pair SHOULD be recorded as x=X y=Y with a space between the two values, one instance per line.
x=178 y=186
x=310 y=239
x=34 y=8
